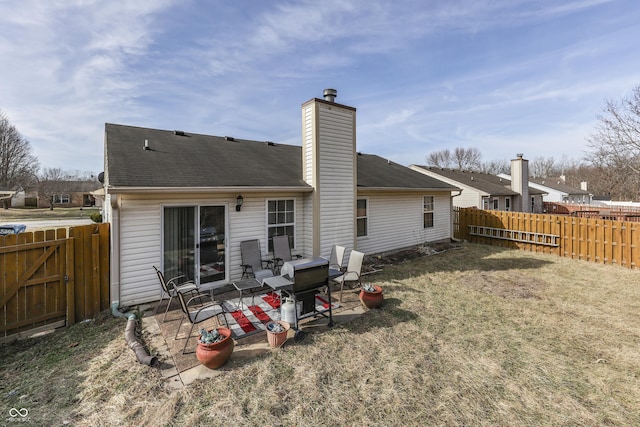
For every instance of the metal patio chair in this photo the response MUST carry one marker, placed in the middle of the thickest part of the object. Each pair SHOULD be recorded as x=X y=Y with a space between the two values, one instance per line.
x=172 y=286
x=199 y=314
x=252 y=263
x=281 y=252
x=352 y=275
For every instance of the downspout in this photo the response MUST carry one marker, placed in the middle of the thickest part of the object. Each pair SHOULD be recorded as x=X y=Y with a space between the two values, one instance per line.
x=453 y=238
x=130 y=330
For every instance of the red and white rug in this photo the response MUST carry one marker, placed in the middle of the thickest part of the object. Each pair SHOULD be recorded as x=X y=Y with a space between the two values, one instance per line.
x=252 y=315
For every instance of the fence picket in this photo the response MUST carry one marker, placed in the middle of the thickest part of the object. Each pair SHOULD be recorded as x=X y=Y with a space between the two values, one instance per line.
x=585 y=238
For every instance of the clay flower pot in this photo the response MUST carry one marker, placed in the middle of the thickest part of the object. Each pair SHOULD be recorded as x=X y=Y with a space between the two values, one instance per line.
x=372 y=299
x=276 y=339
x=216 y=354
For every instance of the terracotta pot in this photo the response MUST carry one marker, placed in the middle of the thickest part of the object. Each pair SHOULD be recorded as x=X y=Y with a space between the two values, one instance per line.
x=276 y=339
x=215 y=355
x=372 y=299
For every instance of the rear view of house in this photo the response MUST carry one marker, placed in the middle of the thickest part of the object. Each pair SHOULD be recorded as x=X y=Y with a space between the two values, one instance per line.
x=184 y=202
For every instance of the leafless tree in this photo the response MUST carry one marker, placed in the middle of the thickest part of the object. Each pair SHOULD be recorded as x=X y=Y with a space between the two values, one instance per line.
x=616 y=143
x=18 y=166
x=53 y=183
x=460 y=158
x=495 y=167
x=543 y=167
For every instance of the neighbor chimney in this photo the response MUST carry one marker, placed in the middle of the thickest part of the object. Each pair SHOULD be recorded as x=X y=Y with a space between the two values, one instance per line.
x=583 y=185
x=330 y=95
x=520 y=183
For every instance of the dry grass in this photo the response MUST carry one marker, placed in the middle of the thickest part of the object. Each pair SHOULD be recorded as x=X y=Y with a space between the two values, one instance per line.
x=478 y=336
x=31 y=214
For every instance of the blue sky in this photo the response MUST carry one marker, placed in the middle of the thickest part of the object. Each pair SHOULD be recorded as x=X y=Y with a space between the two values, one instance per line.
x=504 y=76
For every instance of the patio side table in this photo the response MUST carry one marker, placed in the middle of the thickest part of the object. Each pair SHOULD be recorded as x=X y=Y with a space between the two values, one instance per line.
x=246 y=287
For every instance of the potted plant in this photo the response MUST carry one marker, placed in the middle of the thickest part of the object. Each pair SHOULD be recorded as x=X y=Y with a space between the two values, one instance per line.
x=277 y=332
x=371 y=295
x=214 y=347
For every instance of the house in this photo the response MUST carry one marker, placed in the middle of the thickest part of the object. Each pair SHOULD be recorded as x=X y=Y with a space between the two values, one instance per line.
x=184 y=202
x=486 y=191
x=559 y=192
x=65 y=194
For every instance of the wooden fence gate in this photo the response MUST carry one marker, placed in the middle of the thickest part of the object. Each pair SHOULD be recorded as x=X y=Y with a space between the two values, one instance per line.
x=49 y=279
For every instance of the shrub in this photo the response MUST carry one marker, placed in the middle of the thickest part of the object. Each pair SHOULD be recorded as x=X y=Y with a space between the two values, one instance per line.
x=96 y=217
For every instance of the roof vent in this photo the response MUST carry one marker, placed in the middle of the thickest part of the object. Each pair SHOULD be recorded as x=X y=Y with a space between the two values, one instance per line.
x=178 y=132
x=270 y=143
x=146 y=145
x=330 y=95
x=229 y=138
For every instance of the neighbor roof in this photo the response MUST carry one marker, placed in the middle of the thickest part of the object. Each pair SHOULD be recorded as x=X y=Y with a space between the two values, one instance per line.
x=558 y=185
x=485 y=182
x=177 y=159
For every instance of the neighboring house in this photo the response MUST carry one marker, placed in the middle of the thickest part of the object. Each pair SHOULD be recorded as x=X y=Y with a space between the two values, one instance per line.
x=559 y=192
x=184 y=202
x=490 y=192
x=71 y=194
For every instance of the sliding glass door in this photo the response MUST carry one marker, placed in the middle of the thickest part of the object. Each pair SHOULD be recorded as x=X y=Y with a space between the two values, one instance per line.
x=194 y=242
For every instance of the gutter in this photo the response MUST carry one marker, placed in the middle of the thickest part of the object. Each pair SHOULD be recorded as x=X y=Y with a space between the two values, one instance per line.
x=208 y=190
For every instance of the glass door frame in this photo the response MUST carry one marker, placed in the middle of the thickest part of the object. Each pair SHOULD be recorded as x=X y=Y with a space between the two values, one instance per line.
x=195 y=246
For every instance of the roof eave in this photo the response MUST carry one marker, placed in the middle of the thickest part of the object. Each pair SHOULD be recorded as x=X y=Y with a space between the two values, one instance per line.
x=200 y=190
x=407 y=189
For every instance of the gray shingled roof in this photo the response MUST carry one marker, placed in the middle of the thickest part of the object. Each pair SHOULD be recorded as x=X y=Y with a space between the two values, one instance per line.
x=485 y=182
x=559 y=185
x=193 y=160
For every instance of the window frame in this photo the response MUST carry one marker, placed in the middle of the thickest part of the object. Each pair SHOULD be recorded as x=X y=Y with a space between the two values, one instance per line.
x=286 y=225
x=426 y=211
x=364 y=218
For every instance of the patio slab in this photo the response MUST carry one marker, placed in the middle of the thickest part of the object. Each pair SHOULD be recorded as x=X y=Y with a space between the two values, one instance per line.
x=180 y=370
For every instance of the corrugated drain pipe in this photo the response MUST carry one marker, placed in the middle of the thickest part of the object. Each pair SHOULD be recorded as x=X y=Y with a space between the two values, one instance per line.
x=130 y=336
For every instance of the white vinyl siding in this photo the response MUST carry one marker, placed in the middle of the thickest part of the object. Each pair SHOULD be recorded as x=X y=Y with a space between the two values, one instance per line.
x=141 y=236
x=396 y=221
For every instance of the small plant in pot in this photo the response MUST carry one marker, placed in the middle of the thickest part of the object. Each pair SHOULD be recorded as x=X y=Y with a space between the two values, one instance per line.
x=371 y=295
x=277 y=332
x=214 y=347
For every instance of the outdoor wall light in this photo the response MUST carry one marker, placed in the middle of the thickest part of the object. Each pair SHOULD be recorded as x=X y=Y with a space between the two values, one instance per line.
x=239 y=201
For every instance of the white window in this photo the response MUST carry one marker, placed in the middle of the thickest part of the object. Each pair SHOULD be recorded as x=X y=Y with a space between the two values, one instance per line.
x=507 y=204
x=281 y=220
x=496 y=204
x=59 y=199
x=533 y=203
x=485 y=203
x=427 y=210
x=362 y=218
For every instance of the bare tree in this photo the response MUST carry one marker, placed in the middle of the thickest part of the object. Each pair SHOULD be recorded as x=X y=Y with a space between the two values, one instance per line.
x=18 y=167
x=53 y=184
x=460 y=158
x=616 y=143
x=496 y=167
x=542 y=167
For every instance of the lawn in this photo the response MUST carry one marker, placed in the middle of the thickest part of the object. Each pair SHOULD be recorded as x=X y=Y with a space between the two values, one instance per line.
x=477 y=336
x=31 y=214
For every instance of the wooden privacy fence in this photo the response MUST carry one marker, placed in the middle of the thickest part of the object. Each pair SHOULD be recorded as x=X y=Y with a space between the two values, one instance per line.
x=50 y=279
x=589 y=239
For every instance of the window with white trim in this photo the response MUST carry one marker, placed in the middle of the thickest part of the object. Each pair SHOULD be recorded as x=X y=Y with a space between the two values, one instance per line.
x=60 y=199
x=496 y=204
x=427 y=211
x=507 y=203
x=362 y=222
x=281 y=220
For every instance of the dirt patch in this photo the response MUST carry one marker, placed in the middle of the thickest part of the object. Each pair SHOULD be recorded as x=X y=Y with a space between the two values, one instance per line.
x=490 y=282
x=377 y=262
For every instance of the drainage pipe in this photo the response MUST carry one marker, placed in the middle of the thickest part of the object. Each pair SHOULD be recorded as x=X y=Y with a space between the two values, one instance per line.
x=130 y=336
x=134 y=344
